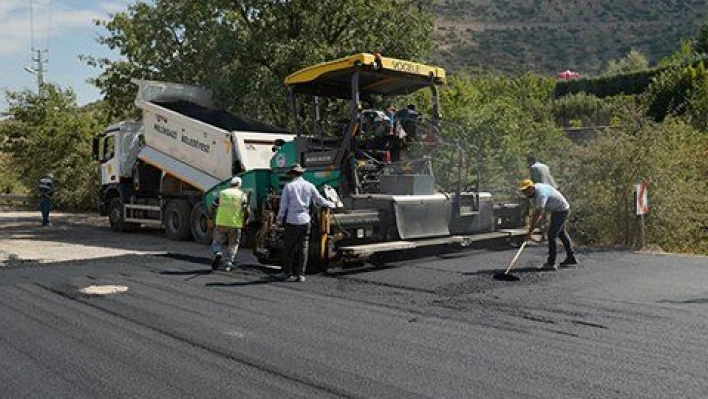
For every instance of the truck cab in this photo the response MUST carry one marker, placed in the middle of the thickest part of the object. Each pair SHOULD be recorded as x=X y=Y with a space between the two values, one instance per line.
x=115 y=150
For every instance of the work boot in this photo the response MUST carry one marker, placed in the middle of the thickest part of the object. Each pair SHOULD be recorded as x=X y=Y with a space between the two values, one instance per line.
x=548 y=266
x=215 y=261
x=569 y=261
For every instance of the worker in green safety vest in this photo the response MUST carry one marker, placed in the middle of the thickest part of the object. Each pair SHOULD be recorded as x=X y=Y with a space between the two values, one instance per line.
x=231 y=208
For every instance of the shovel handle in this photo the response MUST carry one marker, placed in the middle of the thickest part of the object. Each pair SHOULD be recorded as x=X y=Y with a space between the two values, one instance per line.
x=518 y=253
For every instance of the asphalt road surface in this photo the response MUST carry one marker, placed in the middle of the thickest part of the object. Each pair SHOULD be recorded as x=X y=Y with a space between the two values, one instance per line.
x=434 y=325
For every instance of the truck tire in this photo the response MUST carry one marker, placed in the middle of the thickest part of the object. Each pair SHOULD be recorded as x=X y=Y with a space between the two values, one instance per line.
x=198 y=224
x=116 y=217
x=177 y=219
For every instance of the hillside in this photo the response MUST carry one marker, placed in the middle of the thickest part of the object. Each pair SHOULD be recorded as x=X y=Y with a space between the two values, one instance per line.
x=547 y=36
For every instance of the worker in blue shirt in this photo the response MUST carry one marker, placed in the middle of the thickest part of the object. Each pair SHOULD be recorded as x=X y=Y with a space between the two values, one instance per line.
x=545 y=198
x=540 y=172
x=294 y=215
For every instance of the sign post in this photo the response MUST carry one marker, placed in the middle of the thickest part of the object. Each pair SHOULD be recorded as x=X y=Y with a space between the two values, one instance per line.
x=641 y=207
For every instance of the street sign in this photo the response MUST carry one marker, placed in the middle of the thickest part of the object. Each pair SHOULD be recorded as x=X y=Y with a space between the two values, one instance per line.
x=641 y=204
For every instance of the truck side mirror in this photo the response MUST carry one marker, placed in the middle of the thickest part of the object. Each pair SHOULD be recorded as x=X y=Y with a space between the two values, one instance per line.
x=94 y=148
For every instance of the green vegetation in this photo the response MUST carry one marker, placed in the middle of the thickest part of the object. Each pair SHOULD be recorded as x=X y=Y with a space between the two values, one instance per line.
x=547 y=36
x=633 y=62
x=670 y=157
x=49 y=133
x=9 y=180
x=501 y=120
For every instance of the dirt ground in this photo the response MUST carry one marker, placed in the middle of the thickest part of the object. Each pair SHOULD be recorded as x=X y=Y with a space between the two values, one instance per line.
x=78 y=237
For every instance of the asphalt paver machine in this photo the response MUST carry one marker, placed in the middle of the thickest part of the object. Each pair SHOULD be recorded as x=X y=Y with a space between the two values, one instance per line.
x=385 y=203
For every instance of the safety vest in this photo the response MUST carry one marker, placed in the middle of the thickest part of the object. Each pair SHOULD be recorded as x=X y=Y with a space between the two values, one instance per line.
x=230 y=210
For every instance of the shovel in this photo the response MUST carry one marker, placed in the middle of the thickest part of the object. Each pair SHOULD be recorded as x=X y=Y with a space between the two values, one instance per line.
x=510 y=277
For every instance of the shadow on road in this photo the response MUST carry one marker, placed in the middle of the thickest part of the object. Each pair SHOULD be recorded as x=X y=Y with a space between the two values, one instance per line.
x=491 y=272
x=353 y=270
x=265 y=280
x=686 y=301
x=185 y=272
x=186 y=258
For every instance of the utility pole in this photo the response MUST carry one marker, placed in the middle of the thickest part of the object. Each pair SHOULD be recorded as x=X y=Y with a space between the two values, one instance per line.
x=38 y=70
x=38 y=59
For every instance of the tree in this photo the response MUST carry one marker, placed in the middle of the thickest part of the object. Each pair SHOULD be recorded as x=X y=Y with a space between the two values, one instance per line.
x=700 y=42
x=49 y=133
x=498 y=121
x=634 y=61
x=680 y=90
x=684 y=55
x=242 y=50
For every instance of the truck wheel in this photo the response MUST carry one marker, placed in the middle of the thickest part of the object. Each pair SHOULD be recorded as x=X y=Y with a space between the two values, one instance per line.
x=198 y=219
x=177 y=220
x=116 y=217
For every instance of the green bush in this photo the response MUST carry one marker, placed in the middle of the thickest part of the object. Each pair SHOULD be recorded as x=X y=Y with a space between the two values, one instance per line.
x=49 y=133
x=678 y=91
x=497 y=121
x=670 y=157
x=9 y=182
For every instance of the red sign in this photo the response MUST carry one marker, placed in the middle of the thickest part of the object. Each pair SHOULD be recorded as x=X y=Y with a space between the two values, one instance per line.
x=641 y=199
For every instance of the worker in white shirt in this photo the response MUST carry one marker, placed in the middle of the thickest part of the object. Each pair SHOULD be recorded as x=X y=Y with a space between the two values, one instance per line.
x=294 y=215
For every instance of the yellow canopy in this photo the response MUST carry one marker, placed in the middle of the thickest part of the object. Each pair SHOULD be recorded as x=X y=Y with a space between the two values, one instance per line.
x=379 y=75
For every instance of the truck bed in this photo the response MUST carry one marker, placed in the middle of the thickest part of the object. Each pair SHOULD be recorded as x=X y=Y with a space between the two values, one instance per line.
x=181 y=135
x=219 y=118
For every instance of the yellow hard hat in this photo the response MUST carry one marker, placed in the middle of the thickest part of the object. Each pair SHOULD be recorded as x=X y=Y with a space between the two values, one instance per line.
x=524 y=184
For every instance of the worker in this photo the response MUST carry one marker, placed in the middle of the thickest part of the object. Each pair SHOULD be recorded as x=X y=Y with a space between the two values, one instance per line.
x=294 y=215
x=391 y=114
x=540 y=172
x=408 y=117
x=231 y=208
x=545 y=198
x=45 y=187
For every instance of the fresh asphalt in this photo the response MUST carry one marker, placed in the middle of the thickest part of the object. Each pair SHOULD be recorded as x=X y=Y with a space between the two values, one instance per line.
x=431 y=325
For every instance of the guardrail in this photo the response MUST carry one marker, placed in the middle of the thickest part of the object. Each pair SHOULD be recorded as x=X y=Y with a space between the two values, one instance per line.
x=15 y=199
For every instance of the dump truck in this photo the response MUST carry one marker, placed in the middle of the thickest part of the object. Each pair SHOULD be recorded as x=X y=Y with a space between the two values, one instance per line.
x=156 y=171
x=385 y=204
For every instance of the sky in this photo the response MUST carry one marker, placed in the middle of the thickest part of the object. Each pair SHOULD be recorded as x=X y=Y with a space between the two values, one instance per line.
x=65 y=29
